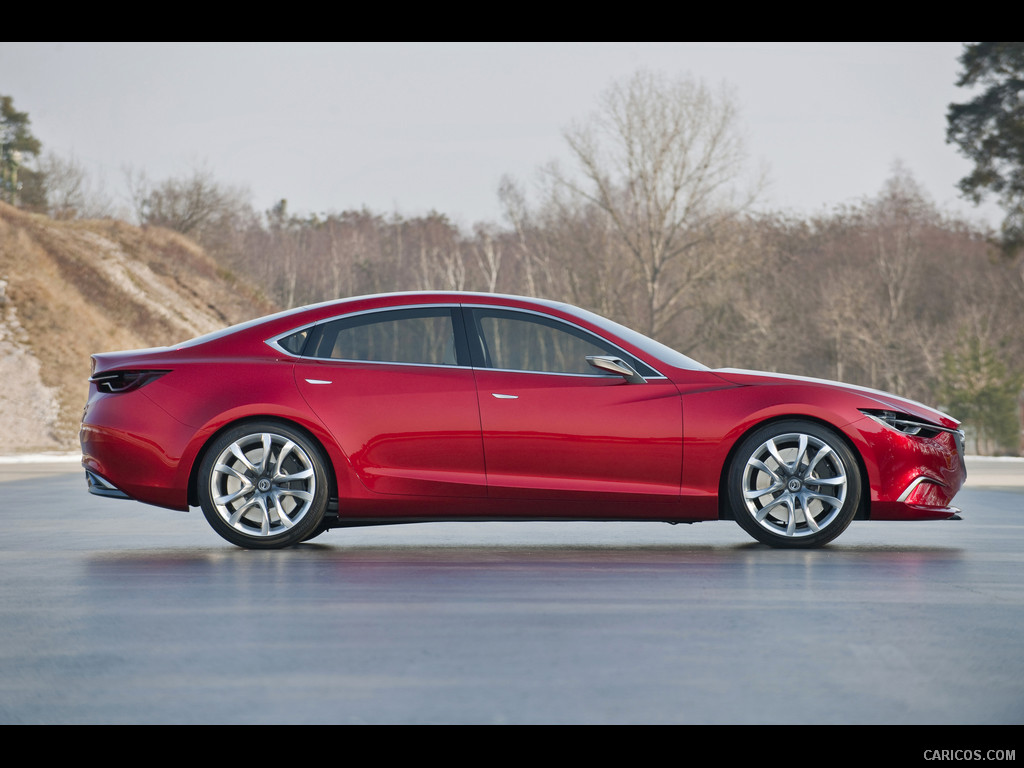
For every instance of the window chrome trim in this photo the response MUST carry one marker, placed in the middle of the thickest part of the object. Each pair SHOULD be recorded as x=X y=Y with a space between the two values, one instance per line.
x=274 y=341
x=587 y=331
x=604 y=376
x=350 y=361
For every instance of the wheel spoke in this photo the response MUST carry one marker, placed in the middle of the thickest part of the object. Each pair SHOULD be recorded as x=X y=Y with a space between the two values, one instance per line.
x=264 y=516
x=266 y=440
x=229 y=470
x=838 y=481
x=791 y=520
x=283 y=454
x=784 y=500
x=757 y=493
x=239 y=454
x=757 y=464
x=286 y=521
x=304 y=495
x=800 y=453
x=774 y=451
x=242 y=511
x=306 y=473
x=824 y=451
x=830 y=501
x=232 y=496
x=809 y=519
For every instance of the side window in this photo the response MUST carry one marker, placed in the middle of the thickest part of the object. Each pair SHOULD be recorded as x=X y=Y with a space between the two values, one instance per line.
x=421 y=336
x=294 y=342
x=520 y=341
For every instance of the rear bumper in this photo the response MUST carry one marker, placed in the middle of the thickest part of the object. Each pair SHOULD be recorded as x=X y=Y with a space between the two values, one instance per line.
x=98 y=486
x=123 y=458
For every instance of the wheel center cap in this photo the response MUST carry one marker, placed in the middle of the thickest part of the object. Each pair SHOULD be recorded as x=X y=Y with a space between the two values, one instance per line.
x=794 y=485
x=263 y=485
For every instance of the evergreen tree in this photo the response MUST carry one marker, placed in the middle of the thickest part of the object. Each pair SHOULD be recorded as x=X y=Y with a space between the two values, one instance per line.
x=989 y=130
x=19 y=184
x=979 y=387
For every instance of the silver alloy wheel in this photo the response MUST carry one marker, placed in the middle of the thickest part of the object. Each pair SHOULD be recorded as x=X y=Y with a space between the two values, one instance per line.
x=262 y=484
x=794 y=485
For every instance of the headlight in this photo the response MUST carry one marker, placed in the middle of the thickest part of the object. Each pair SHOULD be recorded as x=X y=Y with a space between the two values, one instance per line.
x=902 y=422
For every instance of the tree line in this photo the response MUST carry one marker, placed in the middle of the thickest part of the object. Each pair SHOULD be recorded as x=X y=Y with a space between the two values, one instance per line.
x=886 y=293
x=654 y=225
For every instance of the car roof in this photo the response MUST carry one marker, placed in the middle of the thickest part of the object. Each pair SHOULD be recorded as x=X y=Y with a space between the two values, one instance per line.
x=275 y=325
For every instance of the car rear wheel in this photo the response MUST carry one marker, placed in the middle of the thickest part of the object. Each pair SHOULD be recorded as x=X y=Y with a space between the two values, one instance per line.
x=263 y=485
x=794 y=484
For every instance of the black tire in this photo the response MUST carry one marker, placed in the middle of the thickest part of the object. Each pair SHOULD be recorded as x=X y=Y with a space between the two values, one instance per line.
x=263 y=485
x=794 y=484
x=320 y=529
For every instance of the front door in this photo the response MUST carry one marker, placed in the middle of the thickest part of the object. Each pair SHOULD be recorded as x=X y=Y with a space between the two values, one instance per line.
x=556 y=428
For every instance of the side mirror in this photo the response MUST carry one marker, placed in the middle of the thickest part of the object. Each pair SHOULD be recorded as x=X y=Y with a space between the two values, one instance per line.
x=616 y=365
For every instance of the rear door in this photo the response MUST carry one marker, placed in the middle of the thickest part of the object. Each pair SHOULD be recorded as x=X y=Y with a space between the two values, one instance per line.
x=396 y=390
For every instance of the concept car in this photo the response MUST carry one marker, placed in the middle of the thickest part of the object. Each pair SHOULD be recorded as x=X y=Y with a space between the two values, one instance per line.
x=415 y=407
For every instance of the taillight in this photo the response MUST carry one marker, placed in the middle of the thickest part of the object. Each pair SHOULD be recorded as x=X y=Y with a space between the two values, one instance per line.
x=115 y=382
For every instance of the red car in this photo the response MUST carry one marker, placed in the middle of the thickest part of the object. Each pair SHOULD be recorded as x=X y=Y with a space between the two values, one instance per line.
x=416 y=407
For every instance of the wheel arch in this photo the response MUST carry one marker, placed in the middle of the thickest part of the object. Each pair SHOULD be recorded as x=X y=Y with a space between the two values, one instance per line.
x=329 y=468
x=724 y=509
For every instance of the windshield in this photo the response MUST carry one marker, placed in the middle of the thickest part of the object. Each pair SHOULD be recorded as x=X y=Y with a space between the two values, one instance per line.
x=654 y=348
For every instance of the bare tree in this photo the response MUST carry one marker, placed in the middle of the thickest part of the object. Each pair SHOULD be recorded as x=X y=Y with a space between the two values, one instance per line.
x=531 y=260
x=440 y=262
x=69 y=192
x=662 y=159
x=194 y=204
x=487 y=248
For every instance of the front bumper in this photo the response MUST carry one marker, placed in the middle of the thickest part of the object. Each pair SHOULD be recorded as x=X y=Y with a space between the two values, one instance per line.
x=912 y=477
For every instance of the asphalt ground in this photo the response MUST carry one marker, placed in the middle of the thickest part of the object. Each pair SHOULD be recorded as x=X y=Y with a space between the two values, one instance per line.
x=112 y=612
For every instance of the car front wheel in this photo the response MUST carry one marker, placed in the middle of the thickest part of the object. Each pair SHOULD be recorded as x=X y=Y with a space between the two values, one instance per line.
x=794 y=484
x=263 y=486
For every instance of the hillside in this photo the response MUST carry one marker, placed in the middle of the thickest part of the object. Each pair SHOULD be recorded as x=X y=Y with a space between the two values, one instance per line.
x=71 y=288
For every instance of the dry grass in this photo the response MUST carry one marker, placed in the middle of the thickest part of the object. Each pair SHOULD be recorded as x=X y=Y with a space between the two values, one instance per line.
x=72 y=288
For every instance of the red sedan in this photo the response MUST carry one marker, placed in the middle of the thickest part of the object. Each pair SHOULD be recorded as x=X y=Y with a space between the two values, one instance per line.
x=415 y=407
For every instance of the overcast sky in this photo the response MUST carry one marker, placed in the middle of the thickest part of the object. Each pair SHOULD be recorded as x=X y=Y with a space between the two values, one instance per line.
x=410 y=127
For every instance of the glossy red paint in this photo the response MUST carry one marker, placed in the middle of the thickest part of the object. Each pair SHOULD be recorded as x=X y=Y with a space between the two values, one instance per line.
x=432 y=406
x=586 y=437
x=415 y=430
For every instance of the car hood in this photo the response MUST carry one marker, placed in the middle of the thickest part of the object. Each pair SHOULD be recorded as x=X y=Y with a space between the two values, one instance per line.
x=873 y=397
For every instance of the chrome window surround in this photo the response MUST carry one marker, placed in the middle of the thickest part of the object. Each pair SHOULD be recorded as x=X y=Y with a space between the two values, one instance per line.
x=544 y=315
x=274 y=341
